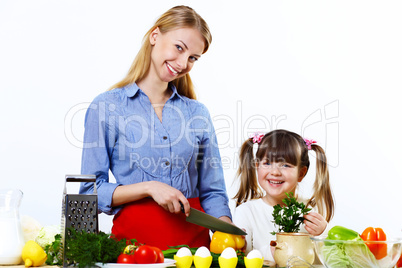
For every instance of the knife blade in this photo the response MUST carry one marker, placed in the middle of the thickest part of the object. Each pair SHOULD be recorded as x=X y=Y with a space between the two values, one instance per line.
x=203 y=219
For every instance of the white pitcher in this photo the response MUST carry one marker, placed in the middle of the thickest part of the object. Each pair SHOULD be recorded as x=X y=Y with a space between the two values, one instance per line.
x=11 y=236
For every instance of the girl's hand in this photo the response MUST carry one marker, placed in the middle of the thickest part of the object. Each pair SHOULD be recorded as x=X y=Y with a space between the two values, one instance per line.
x=315 y=223
x=272 y=247
x=226 y=219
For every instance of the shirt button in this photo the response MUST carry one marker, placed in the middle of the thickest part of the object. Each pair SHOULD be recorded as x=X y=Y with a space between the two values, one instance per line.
x=167 y=163
x=165 y=137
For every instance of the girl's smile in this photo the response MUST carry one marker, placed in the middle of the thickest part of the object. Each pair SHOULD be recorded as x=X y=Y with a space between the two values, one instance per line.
x=275 y=182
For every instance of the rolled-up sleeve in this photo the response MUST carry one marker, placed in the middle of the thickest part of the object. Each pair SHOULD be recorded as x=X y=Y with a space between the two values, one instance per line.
x=96 y=154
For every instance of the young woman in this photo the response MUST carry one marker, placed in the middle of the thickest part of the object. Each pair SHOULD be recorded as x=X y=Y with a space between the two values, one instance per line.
x=157 y=140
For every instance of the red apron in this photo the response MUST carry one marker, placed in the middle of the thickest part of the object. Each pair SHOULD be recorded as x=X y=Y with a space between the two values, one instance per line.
x=148 y=223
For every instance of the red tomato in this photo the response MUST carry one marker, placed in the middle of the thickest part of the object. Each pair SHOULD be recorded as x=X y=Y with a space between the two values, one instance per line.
x=159 y=253
x=125 y=258
x=145 y=254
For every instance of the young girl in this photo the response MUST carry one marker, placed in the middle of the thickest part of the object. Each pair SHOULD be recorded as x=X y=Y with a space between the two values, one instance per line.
x=280 y=163
x=157 y=140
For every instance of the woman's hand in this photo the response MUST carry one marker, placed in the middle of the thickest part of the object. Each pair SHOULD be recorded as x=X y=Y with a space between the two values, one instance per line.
x=169 y=197
x=315 y=223
x=164 y=195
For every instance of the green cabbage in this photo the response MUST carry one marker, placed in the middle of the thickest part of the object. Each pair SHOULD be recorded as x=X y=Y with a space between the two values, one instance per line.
x=348 y=255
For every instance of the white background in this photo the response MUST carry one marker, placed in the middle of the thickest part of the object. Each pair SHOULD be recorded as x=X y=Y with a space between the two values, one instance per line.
x=329 y=70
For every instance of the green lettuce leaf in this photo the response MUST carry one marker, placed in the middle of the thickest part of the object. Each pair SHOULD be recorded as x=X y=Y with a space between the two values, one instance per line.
x=344 y=255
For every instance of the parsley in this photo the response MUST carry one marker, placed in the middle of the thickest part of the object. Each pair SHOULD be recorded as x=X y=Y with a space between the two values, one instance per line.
x=85 y=249
x=53 y=252
x=289 y=217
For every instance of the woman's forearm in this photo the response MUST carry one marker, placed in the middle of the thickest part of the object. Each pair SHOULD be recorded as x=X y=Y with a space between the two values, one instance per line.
x=131 y=192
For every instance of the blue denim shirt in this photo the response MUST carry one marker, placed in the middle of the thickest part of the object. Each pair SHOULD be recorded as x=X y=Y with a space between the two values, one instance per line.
x=124 y=134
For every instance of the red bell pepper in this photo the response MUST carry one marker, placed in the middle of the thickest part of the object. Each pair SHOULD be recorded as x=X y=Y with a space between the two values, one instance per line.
x=375 y=234
x=399 y=263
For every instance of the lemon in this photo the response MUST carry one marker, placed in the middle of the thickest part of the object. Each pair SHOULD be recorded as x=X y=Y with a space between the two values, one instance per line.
x=33 y=254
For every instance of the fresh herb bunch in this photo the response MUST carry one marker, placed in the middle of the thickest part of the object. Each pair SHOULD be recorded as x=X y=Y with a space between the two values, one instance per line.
x=54 y=252
x=85 y=249
x=289 y=217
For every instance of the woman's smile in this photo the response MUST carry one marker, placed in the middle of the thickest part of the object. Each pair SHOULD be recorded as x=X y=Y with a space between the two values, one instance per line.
x=171 y=70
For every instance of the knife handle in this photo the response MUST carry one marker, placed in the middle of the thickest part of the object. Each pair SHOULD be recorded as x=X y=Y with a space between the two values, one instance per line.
x=181 y=206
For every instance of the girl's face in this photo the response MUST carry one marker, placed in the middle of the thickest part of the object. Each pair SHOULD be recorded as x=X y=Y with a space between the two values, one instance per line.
x=278 y=178
x=174 y=53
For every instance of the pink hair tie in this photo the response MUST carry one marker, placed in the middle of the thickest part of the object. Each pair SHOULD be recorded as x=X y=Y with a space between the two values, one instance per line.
x=309 y=143
x=257 y=137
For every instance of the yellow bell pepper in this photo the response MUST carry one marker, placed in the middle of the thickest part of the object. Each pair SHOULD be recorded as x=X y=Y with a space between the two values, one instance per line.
x=220 y=241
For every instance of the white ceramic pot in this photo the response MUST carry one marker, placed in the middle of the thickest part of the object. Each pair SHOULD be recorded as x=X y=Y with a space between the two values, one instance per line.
x=293 y=244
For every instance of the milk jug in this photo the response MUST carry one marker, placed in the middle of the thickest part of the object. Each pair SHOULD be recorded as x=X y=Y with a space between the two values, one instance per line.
x=11 y=236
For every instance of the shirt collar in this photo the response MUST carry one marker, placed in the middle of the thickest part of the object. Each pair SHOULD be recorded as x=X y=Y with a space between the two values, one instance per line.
x=132 y=89
x=175 y=93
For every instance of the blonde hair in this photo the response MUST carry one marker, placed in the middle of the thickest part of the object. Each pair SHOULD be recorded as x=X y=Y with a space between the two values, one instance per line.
x=283 y=145
x=174 y=18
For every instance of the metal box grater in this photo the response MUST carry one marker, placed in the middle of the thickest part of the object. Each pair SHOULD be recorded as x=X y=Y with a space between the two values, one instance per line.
x=79 y=211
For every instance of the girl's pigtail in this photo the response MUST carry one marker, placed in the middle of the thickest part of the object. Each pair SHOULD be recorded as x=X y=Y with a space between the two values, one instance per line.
x=249 y=188
x=322 y=196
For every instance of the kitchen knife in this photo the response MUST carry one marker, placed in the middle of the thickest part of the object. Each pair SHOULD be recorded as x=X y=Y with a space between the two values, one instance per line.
x=202 y=219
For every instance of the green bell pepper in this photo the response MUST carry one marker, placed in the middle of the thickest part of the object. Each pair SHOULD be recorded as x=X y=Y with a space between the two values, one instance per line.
x=342 y=233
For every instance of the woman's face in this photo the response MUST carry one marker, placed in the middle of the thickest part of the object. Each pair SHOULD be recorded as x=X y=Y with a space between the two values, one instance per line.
x=175 y=52
x=278 y=178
